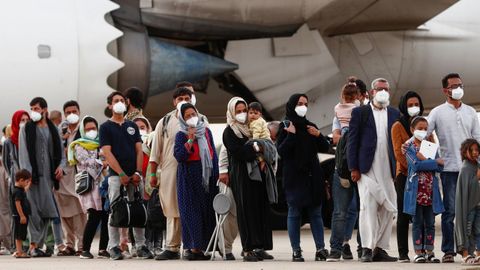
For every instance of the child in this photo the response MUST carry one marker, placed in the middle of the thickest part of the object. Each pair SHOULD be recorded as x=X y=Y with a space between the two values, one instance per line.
x=422 y=195
x=467 y=204
x=20 y=210
x=343 y=110
x=256 y=123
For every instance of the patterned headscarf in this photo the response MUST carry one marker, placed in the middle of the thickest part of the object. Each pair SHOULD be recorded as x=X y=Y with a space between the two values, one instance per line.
x=240 y=129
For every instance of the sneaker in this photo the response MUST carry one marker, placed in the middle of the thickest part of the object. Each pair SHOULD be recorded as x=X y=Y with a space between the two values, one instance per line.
x=347 y=252
x=334 y=256
x=144 y=253
x=419 y=258
x=321 y=255
x=133 y=251
x=262 y=254
x=366 y=255
x=168 y=255
x=359 y=253
x=86 y=255
x=229 y=257
x=403 y=258
x=103 y=254
x=126 y=254
x=116 y=254
x=5 y=251
x=50 y=251
x=380 y=255
x=430 y=258
x=297 y=256
x=157 y=251
x=187 y=255
x=37 y=253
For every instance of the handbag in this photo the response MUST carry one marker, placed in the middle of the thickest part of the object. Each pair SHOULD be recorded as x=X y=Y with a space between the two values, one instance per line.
x=127 y=213
x=156 y=219
x=83 y=182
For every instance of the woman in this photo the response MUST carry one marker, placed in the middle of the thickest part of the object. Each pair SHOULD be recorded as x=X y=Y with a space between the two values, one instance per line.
x=298 y=145
x=197 y=175
x=84 y=153
x=250 y=196
x=410 y=106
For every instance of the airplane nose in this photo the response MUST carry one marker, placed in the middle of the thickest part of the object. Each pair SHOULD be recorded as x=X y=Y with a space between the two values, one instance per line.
x=170 y=64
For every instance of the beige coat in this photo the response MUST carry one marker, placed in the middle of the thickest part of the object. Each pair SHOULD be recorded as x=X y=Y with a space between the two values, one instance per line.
x=67 y=199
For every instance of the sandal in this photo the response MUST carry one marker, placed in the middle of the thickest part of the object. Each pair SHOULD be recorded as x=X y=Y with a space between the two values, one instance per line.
x=468 y=260
x=420 y=258
x=431 y=258
x=22 y=255
x=68 y=251
x=448 y=258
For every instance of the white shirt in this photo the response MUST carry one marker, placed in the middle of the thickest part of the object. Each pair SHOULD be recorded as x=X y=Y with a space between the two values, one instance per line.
x=453 y=126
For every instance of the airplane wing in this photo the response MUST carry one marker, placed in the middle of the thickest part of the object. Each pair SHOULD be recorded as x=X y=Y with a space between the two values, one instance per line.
x=355 y=16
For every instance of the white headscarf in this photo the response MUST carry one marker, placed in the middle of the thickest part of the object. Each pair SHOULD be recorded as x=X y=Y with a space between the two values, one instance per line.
x=240 y=129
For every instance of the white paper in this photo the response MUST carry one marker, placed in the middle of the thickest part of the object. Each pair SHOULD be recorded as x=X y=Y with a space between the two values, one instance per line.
x=428 y=149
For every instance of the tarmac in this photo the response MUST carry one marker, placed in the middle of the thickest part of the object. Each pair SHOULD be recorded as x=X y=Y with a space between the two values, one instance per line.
x=281 y=252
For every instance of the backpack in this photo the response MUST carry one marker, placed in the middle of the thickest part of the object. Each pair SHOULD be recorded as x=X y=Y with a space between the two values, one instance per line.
x=341 y=152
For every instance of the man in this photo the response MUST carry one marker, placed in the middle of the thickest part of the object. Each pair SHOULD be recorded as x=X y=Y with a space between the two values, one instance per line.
x=161 y=157
x=41 y=153
x=134 y=99
x=121 y=144
x=73 y=218
x=372 y=165
x=190 y=87
x=453 y=122
x=56 y=117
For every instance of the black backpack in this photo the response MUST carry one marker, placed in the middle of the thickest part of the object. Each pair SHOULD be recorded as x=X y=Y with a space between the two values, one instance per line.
x=341 y=152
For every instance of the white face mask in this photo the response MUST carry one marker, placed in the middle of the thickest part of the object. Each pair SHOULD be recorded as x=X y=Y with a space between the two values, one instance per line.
x=457 y=93
x=119 y=108
x=3 y=140
x=413 y=111
x=193 y=100
x=301 y=110
x=73 y=118
x=35 y=116
x=420 y=134
x=22 y=125
x=241 y=117
x=357 y=103
x=143 y=132
x=192 y=122
x=91 y=134
x=382 y=97
x=365 y=101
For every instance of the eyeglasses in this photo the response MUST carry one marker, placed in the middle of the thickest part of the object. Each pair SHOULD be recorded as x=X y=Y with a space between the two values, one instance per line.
x=453 y=86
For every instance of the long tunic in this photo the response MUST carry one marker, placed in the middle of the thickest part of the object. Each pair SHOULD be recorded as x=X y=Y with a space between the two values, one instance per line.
x=5 y=214
x=195 y=203
x=162 y=154
x=250 y=196
x=87 y=161
x=68 y=201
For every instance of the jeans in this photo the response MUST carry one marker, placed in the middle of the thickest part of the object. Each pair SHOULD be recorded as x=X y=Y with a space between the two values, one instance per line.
x=423 y=228
x=473 y=230
x=403 y=219
x=294 y=222
x=449 y=186
x=114 y=232
x=343 y=219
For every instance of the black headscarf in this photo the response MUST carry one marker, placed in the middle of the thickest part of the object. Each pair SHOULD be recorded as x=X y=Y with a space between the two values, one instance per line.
x=402 y=107
x=306 y=146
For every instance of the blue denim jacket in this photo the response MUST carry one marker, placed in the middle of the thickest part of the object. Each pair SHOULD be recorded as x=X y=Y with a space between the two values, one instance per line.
x=411 y=186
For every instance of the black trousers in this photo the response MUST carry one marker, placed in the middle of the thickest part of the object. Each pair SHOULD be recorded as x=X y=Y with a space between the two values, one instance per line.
x=403 y=219
x=94 y=219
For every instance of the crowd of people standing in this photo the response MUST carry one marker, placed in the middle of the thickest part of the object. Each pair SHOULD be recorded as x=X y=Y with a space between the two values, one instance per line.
x=65 y=179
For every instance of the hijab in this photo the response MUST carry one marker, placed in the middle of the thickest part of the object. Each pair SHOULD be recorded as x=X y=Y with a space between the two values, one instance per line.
x=402 y=107
x=240 y=129
x=306 y=146
x=16 y=118
x=83 y=141
x=203 y=145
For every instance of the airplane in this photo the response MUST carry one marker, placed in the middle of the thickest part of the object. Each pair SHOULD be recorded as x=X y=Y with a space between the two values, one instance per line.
x=260 y=50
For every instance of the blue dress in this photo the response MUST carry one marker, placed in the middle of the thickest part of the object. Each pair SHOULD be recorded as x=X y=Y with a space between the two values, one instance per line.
x=194 y=202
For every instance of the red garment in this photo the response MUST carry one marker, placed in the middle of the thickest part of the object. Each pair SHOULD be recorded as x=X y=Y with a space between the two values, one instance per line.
x=425 y=187
x=195 y=154
x=17 y=116
x=145 y=164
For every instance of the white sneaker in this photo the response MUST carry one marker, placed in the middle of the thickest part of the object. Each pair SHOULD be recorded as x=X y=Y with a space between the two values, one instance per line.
x=126 y=254
x=5 y=251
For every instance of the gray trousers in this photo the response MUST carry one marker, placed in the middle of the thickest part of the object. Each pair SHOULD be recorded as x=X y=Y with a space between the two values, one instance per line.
x=114 y=186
